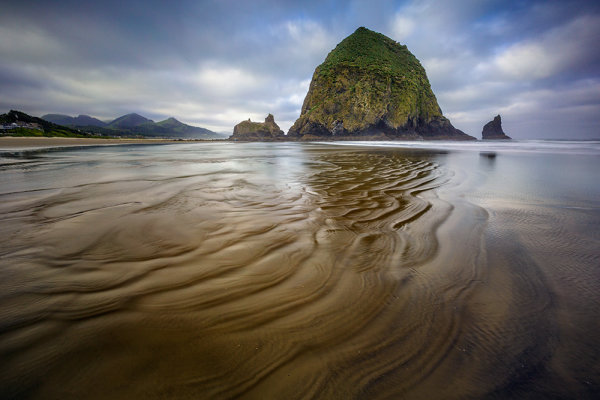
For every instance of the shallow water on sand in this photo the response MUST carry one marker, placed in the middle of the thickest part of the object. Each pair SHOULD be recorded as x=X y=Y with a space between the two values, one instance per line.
x=290 y=270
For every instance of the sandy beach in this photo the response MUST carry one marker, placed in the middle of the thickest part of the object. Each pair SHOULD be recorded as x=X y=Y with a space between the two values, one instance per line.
x=28 y=141
x=298 y=270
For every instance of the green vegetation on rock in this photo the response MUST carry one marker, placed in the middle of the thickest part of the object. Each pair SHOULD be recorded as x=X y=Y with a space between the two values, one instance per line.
x=372 y=86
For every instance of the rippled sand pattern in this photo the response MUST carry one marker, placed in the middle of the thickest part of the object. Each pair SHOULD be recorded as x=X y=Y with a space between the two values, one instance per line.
x=285 y=271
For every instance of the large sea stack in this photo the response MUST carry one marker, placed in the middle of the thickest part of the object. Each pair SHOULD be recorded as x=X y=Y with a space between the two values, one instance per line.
x=371 y=87
x=257 y=131
x=493 y=130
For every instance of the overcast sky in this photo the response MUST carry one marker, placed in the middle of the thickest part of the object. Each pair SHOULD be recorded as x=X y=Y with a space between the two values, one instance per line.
x=215 y=63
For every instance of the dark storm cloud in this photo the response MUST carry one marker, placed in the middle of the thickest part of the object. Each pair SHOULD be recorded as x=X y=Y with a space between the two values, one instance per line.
x=213 y=63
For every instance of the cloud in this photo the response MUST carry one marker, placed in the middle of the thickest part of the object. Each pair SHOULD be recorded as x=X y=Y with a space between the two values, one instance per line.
x=214 y=63
x=28 y=44
x=224 y=81
x=555 y=51
x=402 y=27
x=485 y=58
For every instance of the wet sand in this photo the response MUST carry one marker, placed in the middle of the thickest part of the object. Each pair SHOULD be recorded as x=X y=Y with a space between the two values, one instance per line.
x=290 y=270
x=9 y=142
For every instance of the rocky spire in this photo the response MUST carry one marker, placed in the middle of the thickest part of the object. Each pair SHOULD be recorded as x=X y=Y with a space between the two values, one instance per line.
x=493 y=130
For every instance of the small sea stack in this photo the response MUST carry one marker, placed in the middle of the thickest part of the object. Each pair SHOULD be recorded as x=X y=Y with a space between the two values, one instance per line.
x=248 y=131
x=493 y=130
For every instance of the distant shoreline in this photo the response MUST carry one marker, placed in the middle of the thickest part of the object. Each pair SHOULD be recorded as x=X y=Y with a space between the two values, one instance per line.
x=29 y=141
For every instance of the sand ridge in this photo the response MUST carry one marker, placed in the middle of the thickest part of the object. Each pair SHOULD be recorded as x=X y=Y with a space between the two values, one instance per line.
x=29 y=141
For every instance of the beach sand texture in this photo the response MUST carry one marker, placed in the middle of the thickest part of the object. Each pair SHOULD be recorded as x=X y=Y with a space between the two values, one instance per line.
x=8 y=142
x=288 y=270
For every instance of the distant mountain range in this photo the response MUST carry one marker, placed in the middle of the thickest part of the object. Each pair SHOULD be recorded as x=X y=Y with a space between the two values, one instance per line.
x=80 y=120
x=20 y=124
x=129 y=121
x=134 y=125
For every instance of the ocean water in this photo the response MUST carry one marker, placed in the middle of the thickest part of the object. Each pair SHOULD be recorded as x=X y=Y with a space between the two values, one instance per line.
x=301 y=270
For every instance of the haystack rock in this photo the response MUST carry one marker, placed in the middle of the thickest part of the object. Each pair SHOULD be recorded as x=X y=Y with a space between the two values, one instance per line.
x=371 y=87
x=257 y=131
x=493 y=130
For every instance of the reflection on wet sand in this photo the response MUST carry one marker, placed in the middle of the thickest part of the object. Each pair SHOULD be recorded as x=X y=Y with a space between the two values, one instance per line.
x=286 y=271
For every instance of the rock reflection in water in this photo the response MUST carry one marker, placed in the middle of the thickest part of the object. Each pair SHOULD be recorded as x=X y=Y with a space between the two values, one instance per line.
x=265 y=271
